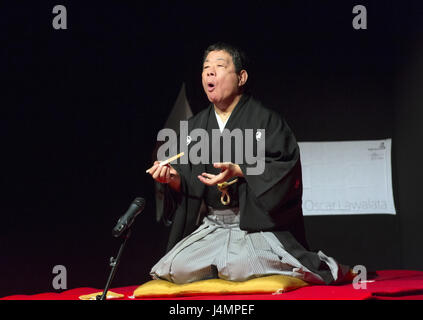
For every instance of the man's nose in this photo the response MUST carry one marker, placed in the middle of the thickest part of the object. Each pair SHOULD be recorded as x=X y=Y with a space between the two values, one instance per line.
x=211 y=72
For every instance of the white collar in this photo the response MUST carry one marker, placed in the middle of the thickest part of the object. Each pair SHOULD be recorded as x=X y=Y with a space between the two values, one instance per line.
x=220 y=122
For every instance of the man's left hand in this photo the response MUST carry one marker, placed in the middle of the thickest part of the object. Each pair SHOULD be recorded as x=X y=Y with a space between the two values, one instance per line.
x=229 y=170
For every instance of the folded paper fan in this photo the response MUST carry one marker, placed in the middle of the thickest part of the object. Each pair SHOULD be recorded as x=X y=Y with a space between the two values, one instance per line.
x=110 y=295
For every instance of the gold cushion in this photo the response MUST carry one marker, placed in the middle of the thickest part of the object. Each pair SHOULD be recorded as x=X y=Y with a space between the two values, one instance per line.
x=267 y=284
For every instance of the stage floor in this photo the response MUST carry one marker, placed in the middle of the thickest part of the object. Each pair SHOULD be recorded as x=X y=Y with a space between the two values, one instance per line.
x=381 y=285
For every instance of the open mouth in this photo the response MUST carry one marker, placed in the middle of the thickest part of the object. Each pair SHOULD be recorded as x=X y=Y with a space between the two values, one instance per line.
x=210 y=86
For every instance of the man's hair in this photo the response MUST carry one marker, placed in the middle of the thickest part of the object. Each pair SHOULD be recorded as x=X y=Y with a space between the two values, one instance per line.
x=238 y=56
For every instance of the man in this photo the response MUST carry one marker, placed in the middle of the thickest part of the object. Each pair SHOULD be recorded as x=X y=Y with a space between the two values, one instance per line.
x=258 y=228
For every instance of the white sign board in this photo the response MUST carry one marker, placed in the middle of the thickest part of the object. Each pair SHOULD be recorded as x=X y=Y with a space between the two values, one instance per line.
x=347 y=177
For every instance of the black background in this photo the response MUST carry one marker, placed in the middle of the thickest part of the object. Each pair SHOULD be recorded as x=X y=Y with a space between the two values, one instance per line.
x=81 y=108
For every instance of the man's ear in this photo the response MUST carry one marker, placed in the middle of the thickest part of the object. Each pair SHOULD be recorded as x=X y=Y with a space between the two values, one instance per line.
x=242 y=78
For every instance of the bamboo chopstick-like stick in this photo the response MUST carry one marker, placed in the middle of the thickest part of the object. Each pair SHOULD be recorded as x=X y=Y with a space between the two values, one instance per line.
x=165 y=162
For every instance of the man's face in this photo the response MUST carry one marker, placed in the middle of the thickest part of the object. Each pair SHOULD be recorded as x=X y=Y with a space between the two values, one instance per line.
x=220 y=81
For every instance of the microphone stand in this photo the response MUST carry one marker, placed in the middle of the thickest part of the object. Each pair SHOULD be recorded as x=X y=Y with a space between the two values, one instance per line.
x=114 y=263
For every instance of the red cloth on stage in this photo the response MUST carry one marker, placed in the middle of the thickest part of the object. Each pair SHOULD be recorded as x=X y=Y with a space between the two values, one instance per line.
x=386 y=284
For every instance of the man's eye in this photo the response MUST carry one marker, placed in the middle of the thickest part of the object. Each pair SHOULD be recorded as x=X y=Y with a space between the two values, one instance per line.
x=205 y=67
x=220 y=65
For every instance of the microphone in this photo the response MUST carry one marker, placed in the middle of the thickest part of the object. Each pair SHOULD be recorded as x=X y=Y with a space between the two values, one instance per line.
x=136 y=207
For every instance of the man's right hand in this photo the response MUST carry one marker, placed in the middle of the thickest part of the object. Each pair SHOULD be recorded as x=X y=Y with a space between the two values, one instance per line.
x=165 y=174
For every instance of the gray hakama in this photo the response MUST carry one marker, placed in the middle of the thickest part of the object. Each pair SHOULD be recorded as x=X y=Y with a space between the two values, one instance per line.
x=218 y=248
